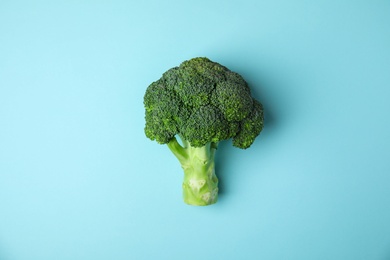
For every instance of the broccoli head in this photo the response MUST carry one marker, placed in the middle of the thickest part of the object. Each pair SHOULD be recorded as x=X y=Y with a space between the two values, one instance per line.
x=202 y=103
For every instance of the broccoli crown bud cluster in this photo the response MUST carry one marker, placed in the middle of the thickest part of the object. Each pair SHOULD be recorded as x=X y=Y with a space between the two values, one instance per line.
x=202 y=101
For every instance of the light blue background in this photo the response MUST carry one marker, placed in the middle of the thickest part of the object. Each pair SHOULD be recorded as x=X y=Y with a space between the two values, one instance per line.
x=79 y=180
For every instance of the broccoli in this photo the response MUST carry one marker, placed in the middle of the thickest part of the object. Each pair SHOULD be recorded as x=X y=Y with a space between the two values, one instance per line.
x=202 y=103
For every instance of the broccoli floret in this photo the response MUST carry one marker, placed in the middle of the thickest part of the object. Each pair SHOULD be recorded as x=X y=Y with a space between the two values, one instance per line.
x=202 y=103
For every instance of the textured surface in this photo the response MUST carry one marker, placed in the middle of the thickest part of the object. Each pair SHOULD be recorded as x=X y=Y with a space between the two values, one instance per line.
x=79 y=180
x=203 y=102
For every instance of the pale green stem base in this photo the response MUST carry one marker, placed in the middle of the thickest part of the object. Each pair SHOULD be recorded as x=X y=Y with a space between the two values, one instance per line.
x=200 y=185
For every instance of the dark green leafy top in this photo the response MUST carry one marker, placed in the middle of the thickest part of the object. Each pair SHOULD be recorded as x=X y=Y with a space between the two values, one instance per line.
x=203 y=102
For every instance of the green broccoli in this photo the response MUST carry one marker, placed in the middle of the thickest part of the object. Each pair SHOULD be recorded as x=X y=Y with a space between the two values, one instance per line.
x=202 y=103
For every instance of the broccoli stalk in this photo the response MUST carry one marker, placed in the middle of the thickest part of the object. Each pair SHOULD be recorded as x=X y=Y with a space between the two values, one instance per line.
x=203 y=103
x=200 y=185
